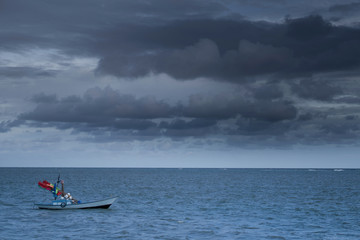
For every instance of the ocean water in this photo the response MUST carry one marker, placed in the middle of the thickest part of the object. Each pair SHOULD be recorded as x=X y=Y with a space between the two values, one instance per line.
x=185 y=204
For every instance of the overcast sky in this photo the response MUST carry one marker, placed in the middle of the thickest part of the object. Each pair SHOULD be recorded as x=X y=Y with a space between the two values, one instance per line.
x=168 y=83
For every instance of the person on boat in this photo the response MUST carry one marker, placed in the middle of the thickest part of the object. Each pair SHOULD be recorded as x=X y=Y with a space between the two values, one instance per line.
x=65 y=195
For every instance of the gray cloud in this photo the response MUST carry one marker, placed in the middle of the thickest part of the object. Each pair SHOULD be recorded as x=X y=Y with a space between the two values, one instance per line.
x=347 y=129
x=76 y=26
x=200 y=48
x=308 y=28
x=107 y=115
x=348 y=99
x=180 y=124
x=319 y=90
x=113 y=111
x=255 y=127
x=6 y=126
x=345 y=8
x=185 y=40
x=270 y=111
x=188 y=40
x=197 y=127
x=19 y=72
x=223 y=108
x=44 y=98
x=96 y=105
x=267 y=92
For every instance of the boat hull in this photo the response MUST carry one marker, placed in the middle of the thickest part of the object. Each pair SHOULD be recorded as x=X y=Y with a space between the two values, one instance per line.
x=68 y=205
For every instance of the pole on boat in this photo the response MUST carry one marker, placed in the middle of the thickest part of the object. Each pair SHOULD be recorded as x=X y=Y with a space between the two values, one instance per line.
x=55 y=187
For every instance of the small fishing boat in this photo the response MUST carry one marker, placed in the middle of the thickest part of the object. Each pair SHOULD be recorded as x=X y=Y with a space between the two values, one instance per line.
x=64 y=200
x=64 y=204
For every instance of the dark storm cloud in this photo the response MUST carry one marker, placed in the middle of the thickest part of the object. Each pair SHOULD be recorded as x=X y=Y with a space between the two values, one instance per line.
x=267 y=92
x=270 y=111
x=6 y=126
x=193 y=128
x=185 y=39
x=112 y=111
x=217 y=107
x=308 y=28
x=182 y=124
x=305 y=117
x=44 y=98
x=107 y=115
x=96 y=105
x=252 y=127
x=316 y=129
x=349 y=99
x=344 y=128
x=223 y=108
x=201 y=48
x=345 y=8
x=319 y=90
x=77 y=26
x=19 y=72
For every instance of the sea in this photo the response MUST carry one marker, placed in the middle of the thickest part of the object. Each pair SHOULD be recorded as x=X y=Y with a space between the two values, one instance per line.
x=185 y=204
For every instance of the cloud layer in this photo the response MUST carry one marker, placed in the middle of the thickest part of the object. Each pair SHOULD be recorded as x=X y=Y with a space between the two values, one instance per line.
x=290 y=79
x=273 y=122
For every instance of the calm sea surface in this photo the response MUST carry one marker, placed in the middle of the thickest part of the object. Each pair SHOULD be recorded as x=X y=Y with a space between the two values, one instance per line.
x=185 y=204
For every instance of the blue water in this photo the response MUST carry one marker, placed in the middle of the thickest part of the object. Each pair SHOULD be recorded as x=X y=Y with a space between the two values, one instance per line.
x=185 y=204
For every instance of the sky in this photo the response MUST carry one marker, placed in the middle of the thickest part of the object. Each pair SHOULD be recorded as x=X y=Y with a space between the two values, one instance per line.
x=167 y=83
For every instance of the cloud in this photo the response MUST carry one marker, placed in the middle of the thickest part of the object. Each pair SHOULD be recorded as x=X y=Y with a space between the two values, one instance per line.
x=6 y=126
x=223 y=108
x=44 y=98
x=272 y=67
x=348 y=99
x=203 y=59
x=269 y=111
x=106 y=115
x=347 y=129
x=200 y=48
x=308 y=28
x=267 y=92
x=345 y=8
x=257 y=127
x=110 y=110
x=20 y=72
x=193 y=128
x=185 y=40
x=217 y=107
x=181 y=124
x=96 y=106
x=318 y=90
x=82 y=33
